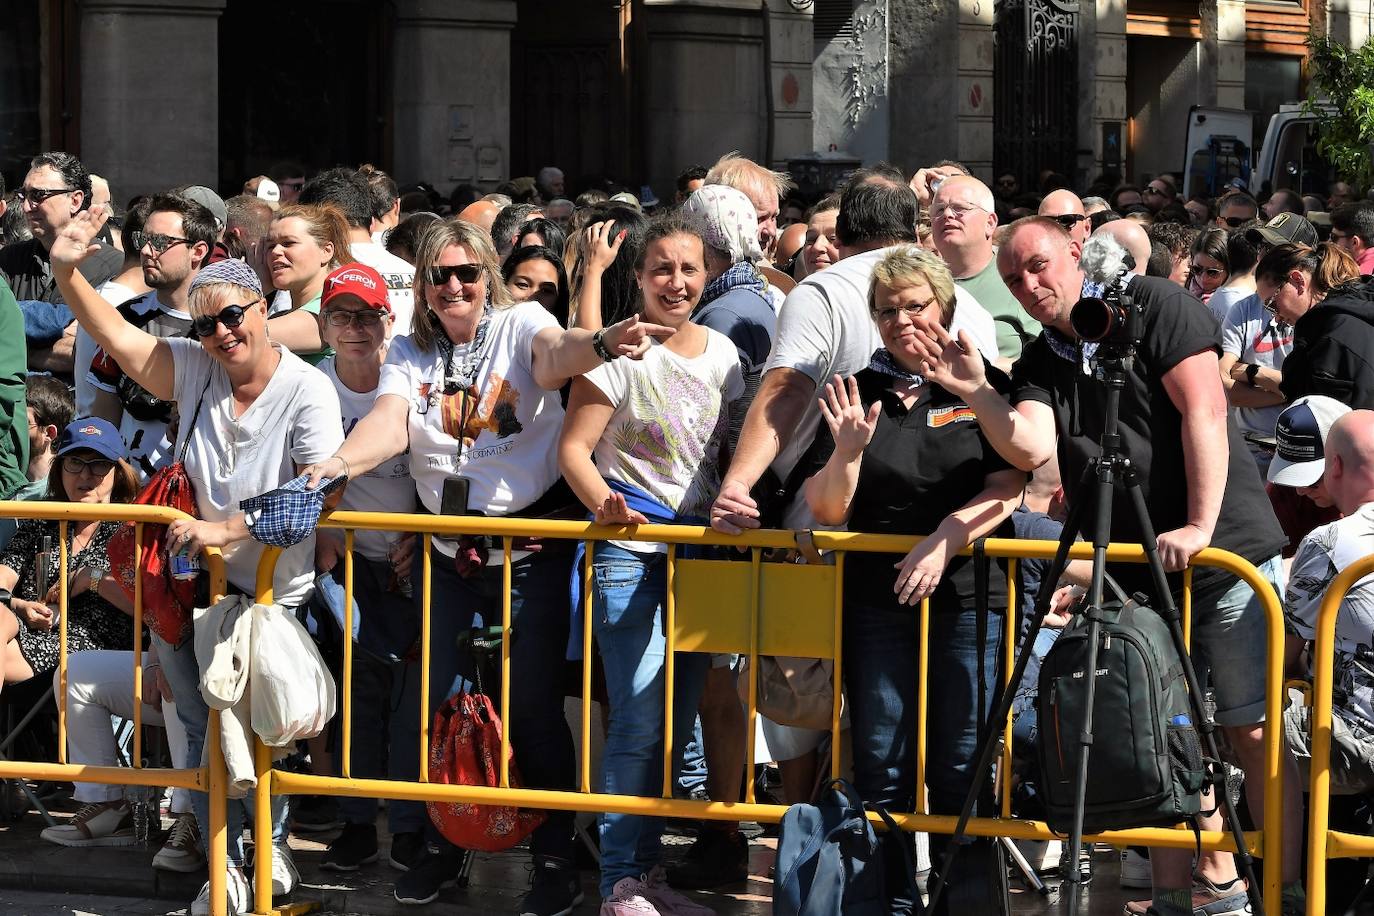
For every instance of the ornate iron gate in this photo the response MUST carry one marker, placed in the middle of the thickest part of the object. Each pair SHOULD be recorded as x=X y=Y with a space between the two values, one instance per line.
x=1035 y=80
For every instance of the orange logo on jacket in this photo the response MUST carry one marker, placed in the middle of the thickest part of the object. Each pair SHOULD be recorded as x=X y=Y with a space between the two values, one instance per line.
x=943 y=416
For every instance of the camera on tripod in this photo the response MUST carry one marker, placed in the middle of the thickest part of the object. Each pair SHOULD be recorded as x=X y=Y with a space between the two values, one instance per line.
x=1111 y=318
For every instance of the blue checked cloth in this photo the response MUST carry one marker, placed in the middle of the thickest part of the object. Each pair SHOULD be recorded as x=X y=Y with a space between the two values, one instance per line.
x=288 y=515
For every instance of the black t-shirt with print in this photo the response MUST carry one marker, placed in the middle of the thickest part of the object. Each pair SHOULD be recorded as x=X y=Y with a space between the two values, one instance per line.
x=1176 y=326
x=923 y=463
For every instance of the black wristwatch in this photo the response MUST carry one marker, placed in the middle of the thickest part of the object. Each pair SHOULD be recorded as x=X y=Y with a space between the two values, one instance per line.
x=1251 y=371
x=6 y=596
x=599 y=345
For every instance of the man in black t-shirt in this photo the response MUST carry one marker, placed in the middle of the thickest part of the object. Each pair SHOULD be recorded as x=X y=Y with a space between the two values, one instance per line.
x=1200 y=487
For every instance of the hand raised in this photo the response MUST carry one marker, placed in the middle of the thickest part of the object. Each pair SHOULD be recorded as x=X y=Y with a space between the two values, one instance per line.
x=851 y=426
x=603 y=244
x=954 y=365
x=633 y=337
x=76 y=240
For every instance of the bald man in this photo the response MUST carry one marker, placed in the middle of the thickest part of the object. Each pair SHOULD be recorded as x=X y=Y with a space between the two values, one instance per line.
x=1064 y=207
x=1133 y=238
x=480 y=213
x=962 y=225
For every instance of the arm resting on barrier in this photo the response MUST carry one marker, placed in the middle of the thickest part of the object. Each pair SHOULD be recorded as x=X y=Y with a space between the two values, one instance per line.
x=588 y=413
x=1194 y=386
x=778 y=407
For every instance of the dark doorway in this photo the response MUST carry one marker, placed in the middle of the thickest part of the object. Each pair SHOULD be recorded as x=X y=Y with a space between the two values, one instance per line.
x=1035 y=88
x=567 y=107
x=308 y=82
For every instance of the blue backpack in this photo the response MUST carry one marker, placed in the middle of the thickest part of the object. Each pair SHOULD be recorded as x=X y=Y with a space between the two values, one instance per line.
x=829 y=859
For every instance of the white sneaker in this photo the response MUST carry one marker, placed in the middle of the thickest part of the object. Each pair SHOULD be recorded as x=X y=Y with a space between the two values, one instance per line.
x=285 y=877
x=97 y=824
x=181 y=852
x=628 y=899
x=1135 y=870
x=238 y=895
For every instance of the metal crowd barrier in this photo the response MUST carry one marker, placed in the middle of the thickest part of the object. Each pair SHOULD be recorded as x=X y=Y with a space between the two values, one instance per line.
x=793 y=610
x=1322 y=842
x=211 y=778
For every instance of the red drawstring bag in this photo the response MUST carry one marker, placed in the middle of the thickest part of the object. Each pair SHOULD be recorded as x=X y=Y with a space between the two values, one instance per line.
x=168 y=604
x=465 y=750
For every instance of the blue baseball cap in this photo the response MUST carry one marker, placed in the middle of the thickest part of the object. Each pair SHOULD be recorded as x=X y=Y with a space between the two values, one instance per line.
x=1300 y=434
x=93 y=434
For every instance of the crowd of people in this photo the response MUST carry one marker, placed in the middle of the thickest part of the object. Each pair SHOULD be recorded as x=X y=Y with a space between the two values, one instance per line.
x=895 y=356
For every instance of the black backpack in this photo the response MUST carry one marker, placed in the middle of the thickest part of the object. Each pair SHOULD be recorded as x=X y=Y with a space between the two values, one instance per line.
x=1145 y=767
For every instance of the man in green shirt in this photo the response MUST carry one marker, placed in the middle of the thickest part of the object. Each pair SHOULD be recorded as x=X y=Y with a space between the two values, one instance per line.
x=14 y=422
x=962 y=219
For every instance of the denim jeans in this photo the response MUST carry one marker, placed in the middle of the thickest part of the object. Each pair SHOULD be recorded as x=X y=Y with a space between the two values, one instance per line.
x=628 y=593
x=540 y=736
x=880 y=676
x=182 y=671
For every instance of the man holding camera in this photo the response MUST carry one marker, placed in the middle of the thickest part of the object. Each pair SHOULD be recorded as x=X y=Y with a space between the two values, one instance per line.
x=1200 y=486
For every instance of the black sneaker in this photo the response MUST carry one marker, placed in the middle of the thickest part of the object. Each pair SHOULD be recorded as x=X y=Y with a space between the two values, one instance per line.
x=314 y=814
x=354 y=847
x=426 y=878
x=555 y=888
x=717 y=857
x=406 y=850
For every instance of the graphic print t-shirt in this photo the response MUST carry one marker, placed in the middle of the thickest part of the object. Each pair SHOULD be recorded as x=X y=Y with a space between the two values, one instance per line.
x=669 y=423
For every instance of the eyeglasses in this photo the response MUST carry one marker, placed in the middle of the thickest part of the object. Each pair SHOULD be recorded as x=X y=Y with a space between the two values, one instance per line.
x=466 y=273
x=366 y=318
x=231 y=316
x=1197 y=269
x=1271 y=304
x=1069 y=220
x=36 y=196
x=97 y=466
x=958 y=211
x=889 y=315
x=1151 y=189
x=156 y=241
x=1337 y=235
x=1235 y=222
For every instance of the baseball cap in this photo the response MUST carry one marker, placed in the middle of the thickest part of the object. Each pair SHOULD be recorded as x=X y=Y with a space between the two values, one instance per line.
x=210 y=201
x=625 y=197
x=288 y=515
x=268 y=191
x=358 y=280
x=1300 y=457
x=1283 y=229
x=92 y=433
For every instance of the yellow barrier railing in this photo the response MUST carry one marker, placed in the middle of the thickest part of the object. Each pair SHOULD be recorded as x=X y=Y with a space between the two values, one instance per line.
x=1324 y=843
x=793 y=611
x=211 y=778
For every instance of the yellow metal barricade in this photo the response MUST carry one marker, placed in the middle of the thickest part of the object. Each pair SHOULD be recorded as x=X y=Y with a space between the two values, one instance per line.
x=1322 y=842
x=753 y=608
x=211 y=778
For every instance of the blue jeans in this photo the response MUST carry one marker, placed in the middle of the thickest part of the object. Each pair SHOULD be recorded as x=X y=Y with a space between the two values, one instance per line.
x=628 y=593
x=540 y=737
x=881 y=675
x=182 y=671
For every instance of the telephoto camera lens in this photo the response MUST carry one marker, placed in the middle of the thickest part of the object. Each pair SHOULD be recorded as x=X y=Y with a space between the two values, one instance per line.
x=1095 y=319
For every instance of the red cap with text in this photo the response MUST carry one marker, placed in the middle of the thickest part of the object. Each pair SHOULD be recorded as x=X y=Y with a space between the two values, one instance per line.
x=357 y=280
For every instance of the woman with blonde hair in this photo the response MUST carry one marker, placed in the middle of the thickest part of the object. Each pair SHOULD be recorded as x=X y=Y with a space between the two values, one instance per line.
x=304 y=243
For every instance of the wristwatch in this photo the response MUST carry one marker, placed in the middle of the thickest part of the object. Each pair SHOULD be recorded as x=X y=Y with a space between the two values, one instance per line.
x=1251 y=371
x=599 y=345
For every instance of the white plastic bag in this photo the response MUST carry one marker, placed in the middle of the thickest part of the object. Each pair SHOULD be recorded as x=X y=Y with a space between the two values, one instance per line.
x=291 y=690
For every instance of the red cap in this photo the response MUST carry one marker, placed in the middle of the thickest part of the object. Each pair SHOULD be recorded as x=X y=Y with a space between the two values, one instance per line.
x=358 y=280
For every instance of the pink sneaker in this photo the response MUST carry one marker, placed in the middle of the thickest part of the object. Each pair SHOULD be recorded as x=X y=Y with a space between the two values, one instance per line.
x=628 y=899
x=670 y=902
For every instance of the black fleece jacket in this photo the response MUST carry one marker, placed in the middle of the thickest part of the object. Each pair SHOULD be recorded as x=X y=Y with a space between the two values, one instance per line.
x=1333 y=349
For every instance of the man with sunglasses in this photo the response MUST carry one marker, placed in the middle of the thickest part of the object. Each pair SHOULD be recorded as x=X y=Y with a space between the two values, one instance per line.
x=1235 y=210
x=961 y=214
x=1158 y=194
x=173 y=246
x=56 y=188
x=1352 y=228
x=1064 y=207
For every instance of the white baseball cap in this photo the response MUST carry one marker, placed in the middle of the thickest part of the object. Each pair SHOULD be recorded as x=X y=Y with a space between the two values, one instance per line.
x=1300 y=433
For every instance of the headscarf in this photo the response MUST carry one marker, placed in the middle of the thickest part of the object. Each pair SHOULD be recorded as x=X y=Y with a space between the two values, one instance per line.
x=727 y=220
x=230 y=270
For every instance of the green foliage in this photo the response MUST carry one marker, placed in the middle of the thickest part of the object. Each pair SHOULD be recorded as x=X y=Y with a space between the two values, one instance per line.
x=1344 y=76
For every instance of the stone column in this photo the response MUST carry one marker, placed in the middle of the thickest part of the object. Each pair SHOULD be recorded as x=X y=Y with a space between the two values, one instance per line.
x=924 y=69
x=1106 y=91
x=975 y=87
x=1347 y=22
x=851 y=85
x=150 y=93
x=791 y=46
x=452 y=91
x=1231 y=53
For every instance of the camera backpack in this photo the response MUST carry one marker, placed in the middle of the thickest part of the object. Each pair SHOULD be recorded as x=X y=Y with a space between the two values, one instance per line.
x=1145 y=767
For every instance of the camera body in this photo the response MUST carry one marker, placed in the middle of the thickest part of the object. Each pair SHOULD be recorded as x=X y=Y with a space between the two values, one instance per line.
x=1112 y=319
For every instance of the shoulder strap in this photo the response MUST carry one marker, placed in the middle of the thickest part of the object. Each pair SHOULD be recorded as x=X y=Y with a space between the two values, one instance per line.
x=908 y=855
x=186 y=438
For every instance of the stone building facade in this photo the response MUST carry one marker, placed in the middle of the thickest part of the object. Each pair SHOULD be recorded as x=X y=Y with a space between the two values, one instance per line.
x=157 y=92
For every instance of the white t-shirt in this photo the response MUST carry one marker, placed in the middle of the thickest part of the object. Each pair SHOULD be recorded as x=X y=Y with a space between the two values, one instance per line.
x=824 y=329
x=1321 y=555
x=295 y=420
x=400 y=282
x=1224 y=297
x=386 y=488
x=85 y=346
x=669 y=424
x=508 y=445
x=1252 y=335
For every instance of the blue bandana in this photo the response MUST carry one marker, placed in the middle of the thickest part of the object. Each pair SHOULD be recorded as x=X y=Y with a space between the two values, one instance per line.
x=739 y=274
x=883 y=363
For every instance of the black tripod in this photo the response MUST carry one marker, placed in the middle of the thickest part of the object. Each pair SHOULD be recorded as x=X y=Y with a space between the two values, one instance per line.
x=1114 y=362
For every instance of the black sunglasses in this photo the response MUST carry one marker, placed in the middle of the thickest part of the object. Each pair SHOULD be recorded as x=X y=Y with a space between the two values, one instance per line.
x=231 y=316
x=1235 y=222
x=155 y=240
x=1069 y=220
x=466 y=273
x=38 y=195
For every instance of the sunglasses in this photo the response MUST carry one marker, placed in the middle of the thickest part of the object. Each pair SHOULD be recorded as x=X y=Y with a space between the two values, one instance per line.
x=366 y=318
x=466 y=273
x=1235 y=222
x=231 y=316
x=97 y=466
x=1271 y=304
x=1198 y=269
x=38 y=195
x=155 y=240
x=1069 y=220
